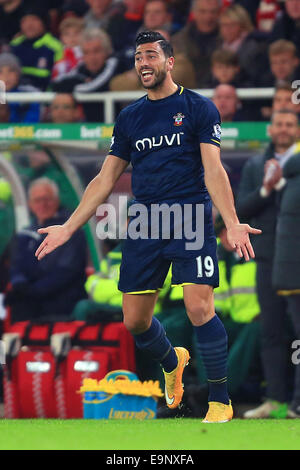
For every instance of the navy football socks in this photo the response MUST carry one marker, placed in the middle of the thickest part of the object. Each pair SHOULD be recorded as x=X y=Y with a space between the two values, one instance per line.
x=212 y=345
x=155 y=342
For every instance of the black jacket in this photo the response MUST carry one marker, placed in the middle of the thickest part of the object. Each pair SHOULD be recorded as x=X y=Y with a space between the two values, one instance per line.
x=286 y=270
x=259 y=212
x=53 y=285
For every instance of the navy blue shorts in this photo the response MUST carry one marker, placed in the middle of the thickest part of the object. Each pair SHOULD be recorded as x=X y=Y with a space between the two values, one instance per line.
x=146 y=262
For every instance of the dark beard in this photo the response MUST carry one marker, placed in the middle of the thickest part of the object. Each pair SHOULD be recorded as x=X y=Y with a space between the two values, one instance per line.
x=159 y=79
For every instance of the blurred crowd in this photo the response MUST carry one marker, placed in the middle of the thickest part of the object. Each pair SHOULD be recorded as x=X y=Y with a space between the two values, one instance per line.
x=87 y=46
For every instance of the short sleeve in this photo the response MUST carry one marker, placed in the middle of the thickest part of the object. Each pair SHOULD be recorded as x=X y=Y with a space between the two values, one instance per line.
x=120 y=142
x=208 y=122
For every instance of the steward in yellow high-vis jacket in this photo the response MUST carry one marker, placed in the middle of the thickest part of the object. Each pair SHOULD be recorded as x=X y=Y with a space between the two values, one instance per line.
x=102 y=288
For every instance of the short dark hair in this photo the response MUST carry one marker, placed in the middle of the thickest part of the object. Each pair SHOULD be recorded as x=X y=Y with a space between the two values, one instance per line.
x=152 y=36
x=225 y=57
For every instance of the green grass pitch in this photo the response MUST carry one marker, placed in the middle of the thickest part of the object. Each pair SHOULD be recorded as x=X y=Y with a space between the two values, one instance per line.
x=169 y=434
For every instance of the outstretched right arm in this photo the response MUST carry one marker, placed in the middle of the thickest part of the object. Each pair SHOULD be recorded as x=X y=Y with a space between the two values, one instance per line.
x=95 y=194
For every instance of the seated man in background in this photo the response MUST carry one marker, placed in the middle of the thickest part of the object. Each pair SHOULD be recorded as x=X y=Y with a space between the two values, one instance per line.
x=284 y=63
x=157 y=15
x=285 y=97
x=93 y=74
x=52 y=288
x=227 y=101
x=64 y=109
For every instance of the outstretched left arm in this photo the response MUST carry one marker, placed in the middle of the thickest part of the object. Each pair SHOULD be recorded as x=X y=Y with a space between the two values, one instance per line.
x=219 y=188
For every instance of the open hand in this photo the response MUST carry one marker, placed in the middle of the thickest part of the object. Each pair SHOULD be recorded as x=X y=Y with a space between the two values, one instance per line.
x=238 y=237
x=57 y=236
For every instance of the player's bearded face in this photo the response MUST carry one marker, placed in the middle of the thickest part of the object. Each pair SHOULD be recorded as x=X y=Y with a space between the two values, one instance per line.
x=284 y=130
x=152 y=77
x=151 y=65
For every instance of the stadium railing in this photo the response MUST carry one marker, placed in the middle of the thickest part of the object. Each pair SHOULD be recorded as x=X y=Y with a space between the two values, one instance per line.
x=110 y=98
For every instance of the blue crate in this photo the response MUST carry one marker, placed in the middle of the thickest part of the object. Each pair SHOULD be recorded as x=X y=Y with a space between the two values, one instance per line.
x=102 y=405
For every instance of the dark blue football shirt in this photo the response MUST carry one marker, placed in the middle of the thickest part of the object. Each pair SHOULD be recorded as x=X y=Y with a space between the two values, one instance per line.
x=161 y=139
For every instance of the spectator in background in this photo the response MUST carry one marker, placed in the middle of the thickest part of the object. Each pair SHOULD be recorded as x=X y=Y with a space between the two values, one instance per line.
x=282 y=97
x=11 y=12
x=284 y=63
x=238 y=35
x=183 y=73
x=226 y=100
x=70 y=33
x=287 y=25
x=51 y=288
x=100 y=12
x=235 y=26
x=64 y=109
x=94 y=74
x=285 y=97
x=258 y=202
x=225 y=69
x=36 y=49
x=199 y=38
x=10 y=74
x=157 y=15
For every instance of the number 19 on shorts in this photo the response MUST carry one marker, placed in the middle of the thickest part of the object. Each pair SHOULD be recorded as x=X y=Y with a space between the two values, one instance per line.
x=205 y=266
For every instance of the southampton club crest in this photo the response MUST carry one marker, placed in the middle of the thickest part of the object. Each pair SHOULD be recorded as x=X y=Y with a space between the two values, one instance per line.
x=178 y=119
